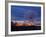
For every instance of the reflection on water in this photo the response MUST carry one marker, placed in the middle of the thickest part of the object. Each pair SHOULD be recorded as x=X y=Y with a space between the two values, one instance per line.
x=25 y=18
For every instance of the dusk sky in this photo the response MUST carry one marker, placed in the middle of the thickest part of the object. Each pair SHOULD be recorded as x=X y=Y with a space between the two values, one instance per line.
x=24 y=12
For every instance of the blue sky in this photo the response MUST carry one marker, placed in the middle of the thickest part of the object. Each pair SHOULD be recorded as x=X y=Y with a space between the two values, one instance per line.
x=24 y=12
